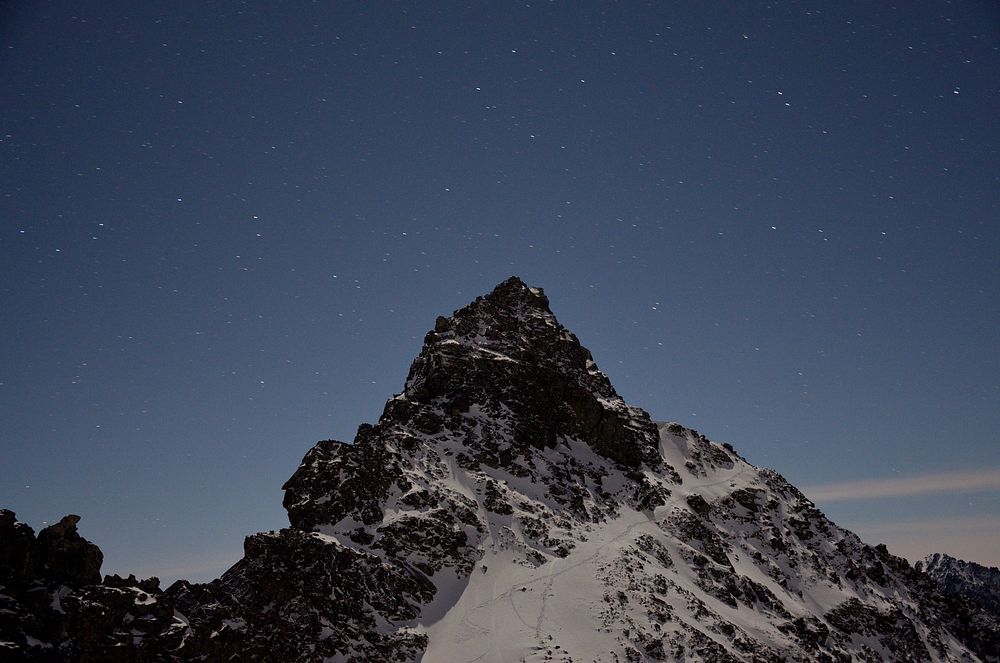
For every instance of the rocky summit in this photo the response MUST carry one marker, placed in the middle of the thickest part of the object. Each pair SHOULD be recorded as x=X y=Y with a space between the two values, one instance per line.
x=507 y=506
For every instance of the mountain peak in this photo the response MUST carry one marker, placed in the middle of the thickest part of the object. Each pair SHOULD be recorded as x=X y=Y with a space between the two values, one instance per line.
x=504 y=380
x=512 y=318
x=509 y=505
x=515 y=290
x=506 y=354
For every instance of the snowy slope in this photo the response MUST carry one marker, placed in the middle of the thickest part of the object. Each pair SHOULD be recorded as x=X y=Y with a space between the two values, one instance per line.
x=650 y=586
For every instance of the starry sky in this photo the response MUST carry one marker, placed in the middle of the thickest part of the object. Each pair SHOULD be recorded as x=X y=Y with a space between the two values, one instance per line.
x=227 y=226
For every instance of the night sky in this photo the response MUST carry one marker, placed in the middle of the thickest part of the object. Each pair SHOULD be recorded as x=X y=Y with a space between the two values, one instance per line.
x=226 y=228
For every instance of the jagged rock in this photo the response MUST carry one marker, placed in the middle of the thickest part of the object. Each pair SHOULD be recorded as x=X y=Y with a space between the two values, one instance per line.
x=506 y=351
x=65 y=556
x=17 y=550
x=52 y=607
x=957 y=577
x=508 y=505
x=151 y=585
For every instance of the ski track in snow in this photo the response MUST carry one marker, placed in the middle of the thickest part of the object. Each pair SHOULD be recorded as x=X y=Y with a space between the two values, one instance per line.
x=486 y=612
x=510 y=612
x=501 y=609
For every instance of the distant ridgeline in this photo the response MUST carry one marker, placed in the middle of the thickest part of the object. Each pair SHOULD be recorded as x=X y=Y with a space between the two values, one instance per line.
x=510 y=506
x=967 y=579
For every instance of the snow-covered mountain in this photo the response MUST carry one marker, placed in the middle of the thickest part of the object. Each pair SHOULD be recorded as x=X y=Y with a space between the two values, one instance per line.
x=973 y=581
x=510 y=506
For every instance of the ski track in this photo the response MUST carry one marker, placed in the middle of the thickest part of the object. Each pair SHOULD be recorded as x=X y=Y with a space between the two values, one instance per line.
x=555 y=569
x=547 y=581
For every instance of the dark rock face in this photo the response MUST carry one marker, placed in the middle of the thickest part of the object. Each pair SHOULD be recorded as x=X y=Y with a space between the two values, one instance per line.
x=361 y=474
x=65 y=556
x=59 y=554
x=53 y=606
x=301 y=595
x=956 y=577
x=507 y=349
x=17 y=550
x=507 y=452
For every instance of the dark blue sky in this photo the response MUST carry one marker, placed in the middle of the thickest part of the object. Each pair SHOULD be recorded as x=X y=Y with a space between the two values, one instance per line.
x=227 y=226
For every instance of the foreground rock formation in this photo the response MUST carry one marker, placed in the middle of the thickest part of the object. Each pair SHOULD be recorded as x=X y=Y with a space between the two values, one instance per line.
x=507 y=506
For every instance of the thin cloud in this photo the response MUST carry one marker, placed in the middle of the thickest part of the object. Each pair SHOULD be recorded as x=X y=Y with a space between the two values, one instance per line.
x=973 y=538
x=924 y=484
x=987 y=524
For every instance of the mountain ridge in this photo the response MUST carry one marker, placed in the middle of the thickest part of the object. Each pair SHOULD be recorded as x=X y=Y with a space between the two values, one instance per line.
x=970 y=580
x=509 y=505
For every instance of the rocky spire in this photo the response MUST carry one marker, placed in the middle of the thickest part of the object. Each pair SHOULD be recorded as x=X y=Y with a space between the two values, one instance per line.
x=503 y=377
x=506 y=353
x=65 y=555
x=58 y=554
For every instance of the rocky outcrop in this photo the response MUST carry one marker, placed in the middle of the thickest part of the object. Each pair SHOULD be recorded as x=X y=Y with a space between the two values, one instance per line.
x=17 y=550
x=956 y=577
x=58 y=555
x=63 y=556
x=507 y=352
x=54 y=606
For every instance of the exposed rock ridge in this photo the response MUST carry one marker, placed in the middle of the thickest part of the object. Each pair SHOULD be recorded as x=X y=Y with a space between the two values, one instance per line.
x=967 y=579
x=504 y=375
x=55 y=607
x=58 y=554
x=507 y=350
